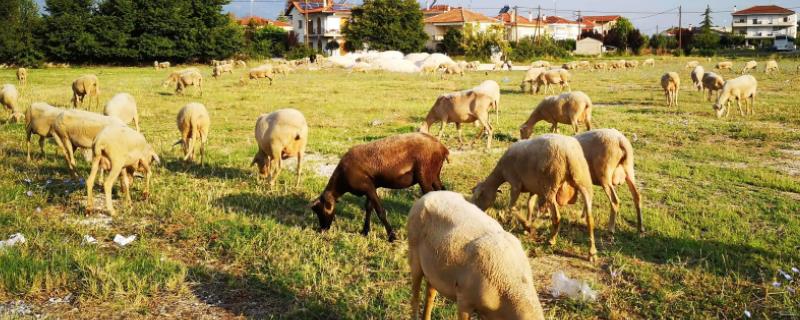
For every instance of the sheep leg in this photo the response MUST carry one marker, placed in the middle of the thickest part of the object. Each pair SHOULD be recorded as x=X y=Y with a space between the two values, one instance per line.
x=367 y=216
x=555 y=216
x=497 y=112
x=614 y=200
x=109 y=184
x=484 y=121
x=752 y=104
x=28 y=134
x=147 y=174
x=441 y=131
x=430 y=298
x=587 y=199
x=460 y=140
x=90 y=184
x=512 y=205
x=416 y=282
x=533 y=214
x=637 y=199
x=376 y=205
x=554 y=127
x=669 y=98
x=189 y=156
x=299 y=168
x=125 y=184
x=203 y=144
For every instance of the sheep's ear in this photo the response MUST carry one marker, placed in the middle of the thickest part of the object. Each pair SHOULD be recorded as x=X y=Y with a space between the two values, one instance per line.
x=314 y=203
x=499 y=191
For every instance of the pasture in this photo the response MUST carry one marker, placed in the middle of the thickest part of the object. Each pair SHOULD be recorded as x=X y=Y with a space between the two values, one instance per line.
x=720 y=203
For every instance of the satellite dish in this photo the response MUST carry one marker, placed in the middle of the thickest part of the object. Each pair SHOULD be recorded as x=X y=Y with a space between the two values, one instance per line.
x=505 y=9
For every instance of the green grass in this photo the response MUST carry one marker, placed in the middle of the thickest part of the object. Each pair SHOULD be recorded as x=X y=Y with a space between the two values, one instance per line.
x=720 y=204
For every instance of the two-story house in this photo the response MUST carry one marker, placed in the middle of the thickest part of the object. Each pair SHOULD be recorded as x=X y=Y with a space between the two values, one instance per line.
x=260 y=22
x=323 y=29
x=765 y=22
x=455 y=18
x=519 y=27
x=562 y=29
x=599 y=24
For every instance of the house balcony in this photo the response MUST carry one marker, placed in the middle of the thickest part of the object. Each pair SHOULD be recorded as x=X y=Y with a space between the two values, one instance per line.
x=750 y=23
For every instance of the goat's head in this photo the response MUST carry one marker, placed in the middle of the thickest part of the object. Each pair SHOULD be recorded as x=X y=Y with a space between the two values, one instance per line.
x=323 y=207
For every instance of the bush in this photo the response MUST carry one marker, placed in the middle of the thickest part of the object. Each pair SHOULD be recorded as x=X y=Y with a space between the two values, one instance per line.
x=269 y=41
x=452 y=42
x=480 y=45
x=527 y=49
x=386 y=25
x=301 y=52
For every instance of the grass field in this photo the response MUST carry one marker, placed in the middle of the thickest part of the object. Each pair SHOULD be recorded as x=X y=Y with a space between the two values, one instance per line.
x=720 y=201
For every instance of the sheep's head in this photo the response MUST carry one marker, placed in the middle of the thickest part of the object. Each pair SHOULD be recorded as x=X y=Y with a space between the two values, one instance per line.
x=482 y=196
x=323 y=207
x=260 y=161
x=525 y=131
x=719 y=109
x=16 y=117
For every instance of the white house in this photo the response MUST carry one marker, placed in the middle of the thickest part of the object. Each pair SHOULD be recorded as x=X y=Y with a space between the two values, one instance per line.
x=454 y=18
x=519 y=27
x=599 y=24
x=562 y=29
x=765 y=22
x=324 y=25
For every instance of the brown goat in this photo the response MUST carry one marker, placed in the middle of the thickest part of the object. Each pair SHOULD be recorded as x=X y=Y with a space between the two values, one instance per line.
x=396 y=162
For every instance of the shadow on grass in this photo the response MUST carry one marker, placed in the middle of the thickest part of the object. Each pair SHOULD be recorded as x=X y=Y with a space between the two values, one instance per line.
x=288 y=209
x=253 y=298
x=204 y=171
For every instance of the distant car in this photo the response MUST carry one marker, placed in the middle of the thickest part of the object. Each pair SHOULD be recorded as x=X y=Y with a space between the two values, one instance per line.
x=784 y=43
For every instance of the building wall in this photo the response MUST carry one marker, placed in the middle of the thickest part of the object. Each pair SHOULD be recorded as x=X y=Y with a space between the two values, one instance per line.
x=564 y=31
x=765 y=26
x=588 y=47
x=523 y=32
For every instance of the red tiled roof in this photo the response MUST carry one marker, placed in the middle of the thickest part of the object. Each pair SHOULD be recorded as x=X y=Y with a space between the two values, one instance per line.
x=600 y=19
x=438 y=8
x=459 y=15
x=259 y=21
x=771 y=9
x=557 y=19
x=506 y=18
x=316 y=6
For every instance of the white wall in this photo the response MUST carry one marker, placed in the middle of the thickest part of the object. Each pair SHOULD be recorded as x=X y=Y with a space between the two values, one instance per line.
x=564 y=31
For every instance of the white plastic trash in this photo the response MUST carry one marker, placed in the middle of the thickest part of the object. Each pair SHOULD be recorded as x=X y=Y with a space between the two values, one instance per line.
x=15 y=239
x=87 y=239
x=124 y=241
x=574 y=289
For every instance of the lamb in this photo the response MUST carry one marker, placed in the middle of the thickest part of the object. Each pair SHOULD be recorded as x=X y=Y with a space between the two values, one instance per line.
x=281 y=134
x=568 y=108
x=283 y=69
x=74 y=129
x=771 y=66
x=570 y=65
x=671 y=83
x=632 y=64
x=692 y=64
x=452 y=68
x=749 y=66
x=461 y=107
x=123 y=107
x=741 y=88
x=174 y=76
x=600 y=66
x=163 y=65
x=263 y=71
x=39 y=120
x=193 y=123
x=468 y=257
x=649 y=62
x=492 y=89
x=188 y=79
x=548 y=78
x=697 y=77
x=540 y=64
x=122 y=151
x=22 y=76
x=550 y=166
x=530 y=78
x=474 y=65
x=221 y=69
x=713 y=83
x=610 y=157
x=83 y=86
x=9 y=98
x=724 y=65
x=396 y=162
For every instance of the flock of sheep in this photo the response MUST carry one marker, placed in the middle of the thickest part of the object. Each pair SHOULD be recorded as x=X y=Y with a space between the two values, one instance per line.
x=452 y=242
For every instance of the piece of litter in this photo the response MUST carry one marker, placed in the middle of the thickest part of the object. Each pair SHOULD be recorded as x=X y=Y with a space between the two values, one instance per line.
x=795 y=270
x=27 y=180
x=38 y=209
x=87 y=239
x=29 y=193
x=574 y=289
x=747 y=313
x=776 y=284
x=15 y=239
x=785 y=275
x=376 y=123
x=790 y=289
x=124 y=241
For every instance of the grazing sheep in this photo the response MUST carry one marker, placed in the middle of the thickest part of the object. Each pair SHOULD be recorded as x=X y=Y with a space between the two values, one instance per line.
x=619 y=64
x=396 y=162
x=282 y=69
x=713 y=83
x=697 y=77
x=468 y=257
x=188 y=79
x=741 y=88
x=9 y=98
x=22 y=76
x=772 y=66
x=452 y=68
x=164 y=65
x=219 y=70
x=632 y=64
x=83 y=86
x=610 y=157
x=123 y=107
x=570 y=65
x=724 y=65
x=691 y=64
x=530 y=78
x=749 y=66
x=174 y=76
x=474 y=65
x=649 y=62
x=584 y=65
x=122 y=151
x=193 y=123
x=155 y=65
x=215 y=62
x=461 y=107
x=39 y=120
x=241 y=63
x=263 y=71
x=462 y=64
x=600 y=66
x=548 y=78
x=491 y=89
x=77 y=129
x=568 y=108
x=281 y=134
x=550 y=166
x=540 y=64
x=671 y=83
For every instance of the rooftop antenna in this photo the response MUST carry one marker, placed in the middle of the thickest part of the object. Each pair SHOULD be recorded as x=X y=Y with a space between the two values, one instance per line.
x=251 y=8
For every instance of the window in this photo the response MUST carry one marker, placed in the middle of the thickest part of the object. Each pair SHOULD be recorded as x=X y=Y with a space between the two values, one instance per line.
x=755 y=21
x=299 y=24
x=319 y=27
x=785 y=19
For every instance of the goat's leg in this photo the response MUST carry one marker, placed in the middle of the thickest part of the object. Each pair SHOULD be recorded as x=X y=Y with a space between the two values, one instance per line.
x=367 y=216
x=372 y=195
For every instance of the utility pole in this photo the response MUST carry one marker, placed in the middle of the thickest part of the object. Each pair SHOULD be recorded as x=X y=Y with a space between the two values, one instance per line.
x=305 y=10
x=680 y=27
x=516 y=28
x=538 y=24
x=580 y=26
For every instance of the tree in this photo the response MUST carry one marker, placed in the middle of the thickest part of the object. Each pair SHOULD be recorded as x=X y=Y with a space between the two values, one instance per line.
x=386 y=25
x=591 y=34
x=267 y=42
x=707 y=41
x=479 y=44
x=452 y=41
x=18 y=43
x=618 y=35
x=66 y=34
x=706 y=24
x=636 y=41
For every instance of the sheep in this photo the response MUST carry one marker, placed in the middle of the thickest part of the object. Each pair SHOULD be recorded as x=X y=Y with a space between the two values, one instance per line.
x=74 y=129
x=22 y=76
x=550 y=166
x=474 y=65
x=462 y=64
x=713 y=83
x=193 y=123
x=241 y=63
x=187 y=79
x=174 y=76
x=619 y=64
x=570 y=65
x=9 y=98
x=772 y=65
x=263 y=71
x=649 y=62
x=283 y=69
x=550 y=77
x=83 y=86
x=221 y=69
x=530 y=78
x=632 y=64
x=281 y=134
x=724 y=65
x=600 y=66
x=741 y=88
x=468 y=257
x=452 y=68
x=584 y=65
x=691 y=64
x=215 y=62
x=123 y=107
x=461 y=107
x=492 y=89
x=610 y=157
x=39 y=120
x=396 y=162
x=568 y=108
x=697 y=77
x=749 y=66
x=540 y=64
x=122 y=151
x=671 y=83
x=155 y=65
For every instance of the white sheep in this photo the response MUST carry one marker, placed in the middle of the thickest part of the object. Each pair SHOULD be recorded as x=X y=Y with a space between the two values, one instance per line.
x=461 y=107
x=123 y=151
x=749 y=66
x=9 y=98
x=671 y=83
x=572 y=65
x=649 y=62
x=530 y=78
x=155 y=65
x=548 y=78
x=188 y=79
x=741 y=88
x=219 y=70
x=193 y=123
x=123 y=107
x=175 y=75
x=452 y=68
x=550 y=166
x=39 y=120
x=241 y=63
x=491 y=89
x=713 y=83
x=263 y=71
x=619 y=64
x=724 y=65
x=691 y=64
x=466 y=256
x=22 y=76
x=77 y=129
x=568 y=108
x=772 y=66
x=631 y=64
x=83 y=86
x=584 y=65
x=540 y=64
x=697 y=77
x=600 y=66
x=610 y=157
x=281 y=134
